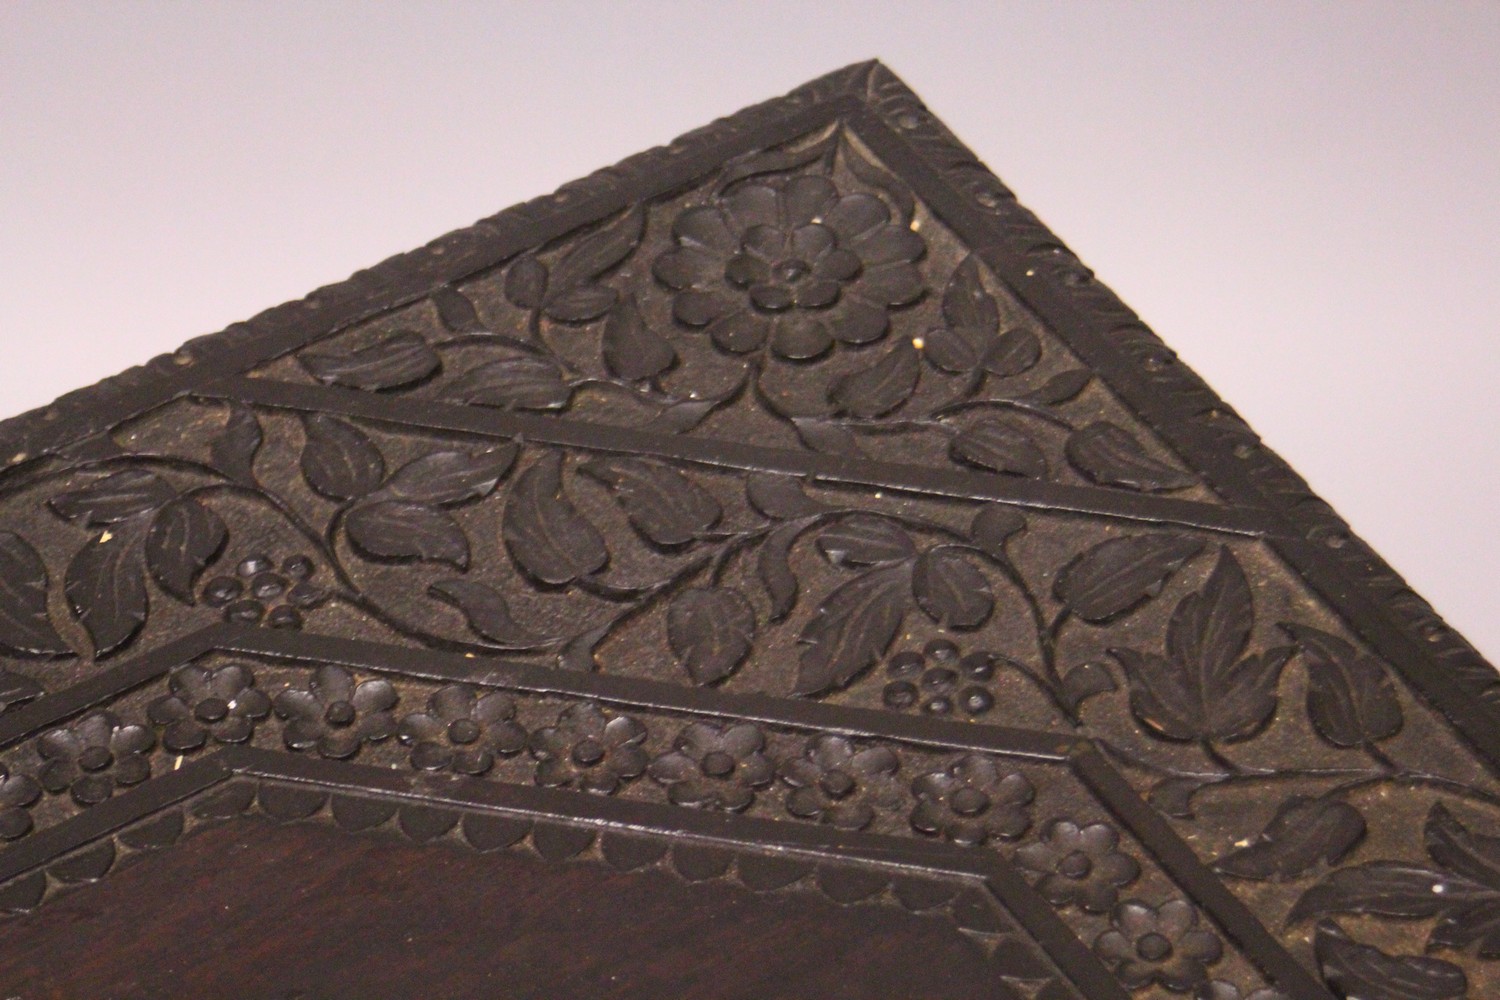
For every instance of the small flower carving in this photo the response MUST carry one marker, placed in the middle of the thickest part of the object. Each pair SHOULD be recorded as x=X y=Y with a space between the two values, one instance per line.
x=796 y=265
x=972 y=801
x=222 y=703
x=94 y=756
x=462 y=730
x=714 y=767
x=835 y=783
x=590 y=749
x=258 y=594
x=17 y=793
x=1149 y=944
x=334 y=715
x=1079 y=865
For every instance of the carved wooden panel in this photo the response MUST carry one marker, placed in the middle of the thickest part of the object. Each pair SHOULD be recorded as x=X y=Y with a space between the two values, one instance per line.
x=775 y=547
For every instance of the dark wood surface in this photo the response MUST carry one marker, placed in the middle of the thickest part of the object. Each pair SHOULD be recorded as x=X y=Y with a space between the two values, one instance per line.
x=771 y=567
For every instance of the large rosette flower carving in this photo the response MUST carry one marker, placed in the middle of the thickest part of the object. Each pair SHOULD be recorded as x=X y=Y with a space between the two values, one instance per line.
x=795 y=265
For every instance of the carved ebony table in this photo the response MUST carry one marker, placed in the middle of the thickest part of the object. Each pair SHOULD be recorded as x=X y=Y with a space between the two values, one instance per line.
x=772 y=567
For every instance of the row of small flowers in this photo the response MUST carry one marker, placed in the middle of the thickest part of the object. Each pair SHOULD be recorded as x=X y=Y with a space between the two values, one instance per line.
x=970 y=800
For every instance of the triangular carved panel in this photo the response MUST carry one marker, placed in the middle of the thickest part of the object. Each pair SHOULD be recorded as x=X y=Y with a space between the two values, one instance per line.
x=783 y=510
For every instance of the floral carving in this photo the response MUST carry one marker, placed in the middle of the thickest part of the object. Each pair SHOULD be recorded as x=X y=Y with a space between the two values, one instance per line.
x=17 y=793
x=462 y=730
x=221 y=702
x=795 y=264
x=1150 y=944
x=335 y=716
x=972 y=801
x=94 y=757
x=940 y=680
x=589 y=748
x=715 y=767
x=257 y=593
x=1081 y=866
x=837 y=783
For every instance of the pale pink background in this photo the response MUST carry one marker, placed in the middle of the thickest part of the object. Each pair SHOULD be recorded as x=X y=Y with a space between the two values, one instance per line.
x=1299 y=197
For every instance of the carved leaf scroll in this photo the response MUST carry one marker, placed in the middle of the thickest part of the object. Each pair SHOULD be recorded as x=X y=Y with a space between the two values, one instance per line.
x=662 y=504
x=113 y=499
x=1000 y=446
x=522 y=382
x=852 y=628
x=1303 y=832
x=1362 y=972
x=630 y=348
x=184 y=539
x=452 y=477
x=711 y=631
x=400 y=360
x=1351 y=699
x=1203 y=688
x=1116 y=576
x=1111 y=456
x=880 y=388
x=951 y=590
x=339 y=460
x=400 y=531
x=106 y=588
x=544 y=532
x=25 y=629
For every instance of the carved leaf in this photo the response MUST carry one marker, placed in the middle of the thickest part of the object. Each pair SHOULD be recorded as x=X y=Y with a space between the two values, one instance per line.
x=780 y=496
x=1350 y=697
x=951 y=350
x=865 y=540
x=113 y=498
x=1087 y=680
x=526 y=282
x=339 y=461
x=1390 y=889
x=882 y=387
x=184 y=538
x=663 y=505
x=1451 y=844
x=1202 y=690
x=993 y=526
x=452 y=477
x=400 y=360
x=852 y=628
x=544 y=532
x=711 y=631
x=826 y=436
x=396 y=530
x=1174 y=796
x=487 y=613
x=233 y=451
x=1303 y=832
x=630 y=348
x=873 y=175
x=1362 y=972
x=681 y=417
x=601 y=250
x=1111 y=456
x=951 y=590
x=25 y=629
x=1061 y=387
x=966 y=304
x=456 y=311
x=523 y=382
x=579 y=303
x=1001 y=447
x=1116 y=576
x=106 y=588
x=16 y=690
x=1013 y=352
x=774 y=569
